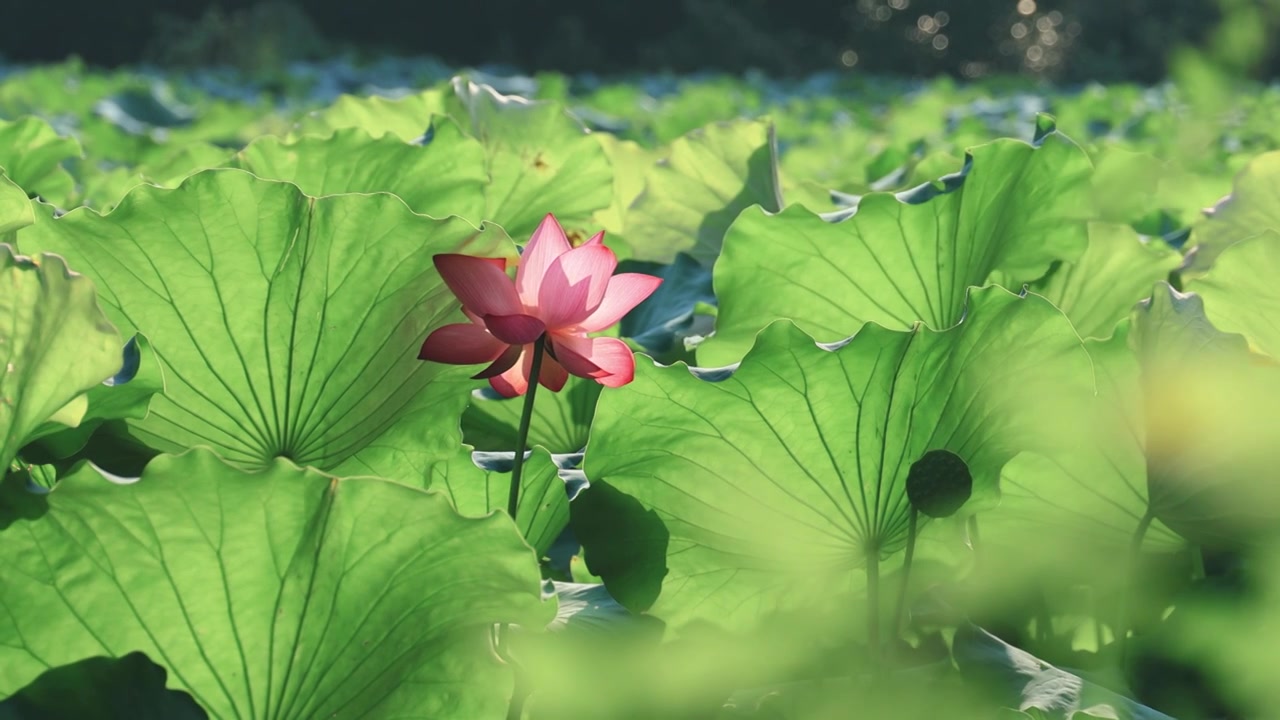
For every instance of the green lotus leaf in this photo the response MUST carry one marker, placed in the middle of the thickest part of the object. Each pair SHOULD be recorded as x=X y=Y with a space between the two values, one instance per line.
x=1093 y=500
x=1212 y=423
x=407 y=117
x=1241 y=294
x=1252 y=207
x=692 y=196
x=127 y=394
x=776 y=485
x=476 y=491
x=128 y=688
x=561 y=421
x=539 y=157
x=899 y=259
x=285 y=593
x=103 y=188
x=630 y=162
x=1117 y=270
x=15 y=208
x=32 y=154
x=55 y=345
x=443 y=176
x=286 y=326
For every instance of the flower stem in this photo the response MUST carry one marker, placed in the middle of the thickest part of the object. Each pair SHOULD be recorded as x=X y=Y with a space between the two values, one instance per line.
x=522 y=434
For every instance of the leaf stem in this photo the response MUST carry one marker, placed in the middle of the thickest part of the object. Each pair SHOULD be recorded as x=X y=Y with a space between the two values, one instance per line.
x=1126 y=597
x=522 y=434
x=900 y=612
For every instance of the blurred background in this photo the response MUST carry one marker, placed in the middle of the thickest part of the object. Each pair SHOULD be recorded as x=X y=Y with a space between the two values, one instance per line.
x=1063 y=40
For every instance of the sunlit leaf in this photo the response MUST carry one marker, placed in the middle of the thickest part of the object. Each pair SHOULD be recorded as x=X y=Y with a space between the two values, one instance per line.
x=1242 y=294
x=899 y=259
x=694 y=194
x=32 y=154
x=442 y=176
x=285 y=593
x=286 y=326
x=1116 y=271
x=1252 y=207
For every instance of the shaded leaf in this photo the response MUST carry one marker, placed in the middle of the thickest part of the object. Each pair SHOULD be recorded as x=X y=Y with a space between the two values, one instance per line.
x=479 y=484
x=561 y=421
x=129 y=688
x=55 y=344
x=1027 y=683
x=777 y=483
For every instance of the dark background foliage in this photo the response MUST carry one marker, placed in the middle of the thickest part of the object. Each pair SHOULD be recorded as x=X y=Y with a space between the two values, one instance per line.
x=1069 y=40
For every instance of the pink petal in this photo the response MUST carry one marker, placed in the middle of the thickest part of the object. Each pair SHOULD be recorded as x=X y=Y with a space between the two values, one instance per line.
x=480 y=284
x=552 y=374
x=547 y=243
x=575 y=284
x=517 y=329
x=505 y=361
x=572 y=351
x=515 y=381
x=461 y=344
x=614 y=357
x=615 y=365
x=625 y=291
x=597 y=239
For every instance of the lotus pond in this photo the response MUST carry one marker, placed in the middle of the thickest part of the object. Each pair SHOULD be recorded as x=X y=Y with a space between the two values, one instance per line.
x=941 y=400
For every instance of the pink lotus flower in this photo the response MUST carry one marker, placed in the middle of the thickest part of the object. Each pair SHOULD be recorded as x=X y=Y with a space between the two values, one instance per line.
x=560 y=292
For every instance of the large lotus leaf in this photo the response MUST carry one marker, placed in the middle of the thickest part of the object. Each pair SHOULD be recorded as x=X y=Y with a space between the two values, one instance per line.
x=1212 y=423
x=281 y=594
x=128 y=688
x=442 y=176
x=539 y=157
x=561 y=421
x=1117 y=270
x=480 y=483
x=32 y=154
x=693 y=195
x=15 y=208
x=287 y=326
x=1242 y=291
x=55 y=344
x=1080 y=506
x=775 y=485
x=630 y=163
x=1014 y=210
x=1252 y=207
x=407 y=118
x=1027 y=683
x=103 y=188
